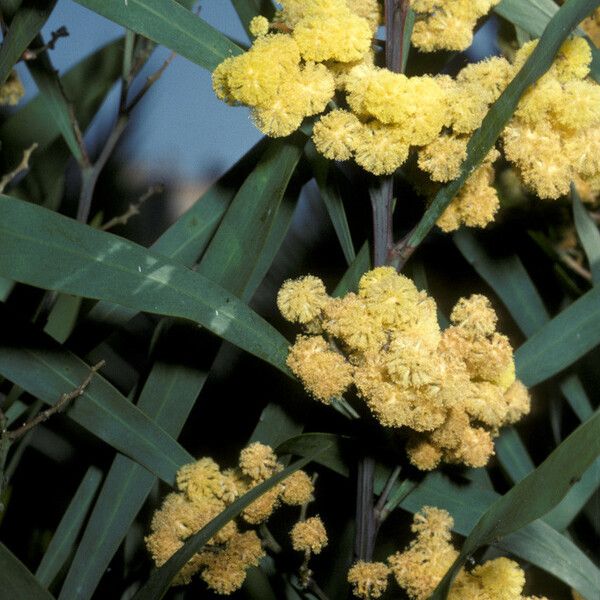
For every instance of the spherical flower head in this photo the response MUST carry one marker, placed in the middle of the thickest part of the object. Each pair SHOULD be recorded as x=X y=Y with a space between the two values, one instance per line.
x=341 y=36
x=573 y=60
x=422 y=453
x=475 y=449
x=263 y=507
x=200 y=480
x=225 y=570
x=259 y=462
x=443 y=157
x=422 y=565
x=349 y=320
x=259 y=25
x=576 y=108
x=298 y=489
x=474 y=315
x=368 y=579
x=324 y=373
x=302 y=300
x=12 y=90
x=309 y=535
x=487 y=404
x=316 y=87
x=501 y=579
x=335 y=134
x=416 y=104
x=410 y=363
x=367 y=9
x=381 y=149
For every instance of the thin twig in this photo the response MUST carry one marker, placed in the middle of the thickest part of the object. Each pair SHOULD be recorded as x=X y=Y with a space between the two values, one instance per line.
x=572 y=264
x=134 y=208
x=32 y=54
x=22 y=166
x=381 y=502
x=269 y=540
x=91 y=173
x=312 y=586
x=59 y=406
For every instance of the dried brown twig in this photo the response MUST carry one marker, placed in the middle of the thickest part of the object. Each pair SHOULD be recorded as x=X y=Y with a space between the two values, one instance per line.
x=134 y=208
x=22 y=166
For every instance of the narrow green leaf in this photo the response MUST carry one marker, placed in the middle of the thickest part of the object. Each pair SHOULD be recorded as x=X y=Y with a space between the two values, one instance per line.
x=24 y=27
x=534 y=496
x=41 y=367
x=69 y=257
x=248 y=9
x=63 y=540
x=59 y=108
x=253 y=209
x=326 y=179
x=514 y=456
x=573 y=390
x=275 y=426
x=588 y=233
x=555 y=33
x=361 y=264
x=160 y=579
x=16 y=581
x=308 y=443
x=566 y=338
x=170 y=24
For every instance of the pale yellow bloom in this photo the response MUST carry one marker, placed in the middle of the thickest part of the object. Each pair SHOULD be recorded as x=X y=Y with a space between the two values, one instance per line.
x=309 y=535
x=368 y=579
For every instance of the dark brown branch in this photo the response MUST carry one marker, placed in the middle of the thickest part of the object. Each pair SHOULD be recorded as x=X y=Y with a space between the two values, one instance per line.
x=33 y=53
x=58 y=407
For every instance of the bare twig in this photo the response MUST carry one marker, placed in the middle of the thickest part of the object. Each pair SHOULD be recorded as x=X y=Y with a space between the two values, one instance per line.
x=22 y=166
x=58 y=407
x=134 y=208
x=313 y=587
x=91 y=173
x=383 y=498
x=33 y=53
x=575 y=266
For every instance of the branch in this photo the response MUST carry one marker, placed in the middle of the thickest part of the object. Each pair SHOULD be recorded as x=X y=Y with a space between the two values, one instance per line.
x=32 y=54
x=134 y=209
x=58 y=407
x=22 y=166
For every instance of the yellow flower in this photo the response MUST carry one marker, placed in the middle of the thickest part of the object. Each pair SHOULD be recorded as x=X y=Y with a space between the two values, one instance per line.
x=298 y=489
x=335 y=134
x=259 y=25
x=368 y=579
x=302 y=300
x=259 y=462
x=309 y=536
x=12 y=90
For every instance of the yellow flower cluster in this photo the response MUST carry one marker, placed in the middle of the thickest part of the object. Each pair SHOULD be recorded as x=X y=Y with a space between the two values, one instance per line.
x=287 y=76
x=420 y=568
x=447 y=24
x=204 y=491
x=454 y=389
x=12 y=90
x=554 y=137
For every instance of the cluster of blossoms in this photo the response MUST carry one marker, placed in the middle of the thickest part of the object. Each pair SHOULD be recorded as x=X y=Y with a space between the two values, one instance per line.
x=452 y=389
x=204 y=491
x=319 y=51
x=420 y=568
x=12 y=90
x=447 y=24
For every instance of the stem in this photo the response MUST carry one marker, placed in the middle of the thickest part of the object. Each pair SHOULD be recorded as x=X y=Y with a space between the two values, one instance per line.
x=382 y=202
x=316 y=590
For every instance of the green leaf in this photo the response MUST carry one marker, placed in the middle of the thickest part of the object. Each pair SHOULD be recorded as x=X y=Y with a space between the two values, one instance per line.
x=326 y=178
x=588 y=233
x=513 y=455
x=24 y=27
x=275 y=426
x=534 y=496
x=309 y=443
x=188 y=237
x=253 y=210
x=562 y=341
x=161 y=578
x=41 y=367
x=482 y=141
x=531 y=15
x=63 y=540
x=361 y=264
x=72 y=258
x=60 y=109
x=166 y=22
x=16 y=581
x=248 y=9
x=573 y=390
